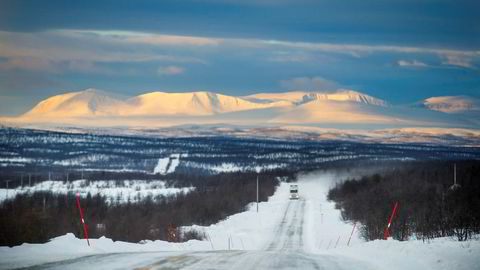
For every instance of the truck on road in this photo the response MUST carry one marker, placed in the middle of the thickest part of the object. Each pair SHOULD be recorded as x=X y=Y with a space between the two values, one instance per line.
x=294 y=192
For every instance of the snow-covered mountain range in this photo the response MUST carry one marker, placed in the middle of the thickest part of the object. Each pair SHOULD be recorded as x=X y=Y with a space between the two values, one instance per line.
x=92 y=102
x=343 y=107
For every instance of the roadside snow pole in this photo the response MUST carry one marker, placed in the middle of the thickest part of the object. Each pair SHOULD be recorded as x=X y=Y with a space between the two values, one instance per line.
x=85 y=230
x=337 y=241
x=257 y=193
x=348 y=243
x=386 y=233
x=210 y=239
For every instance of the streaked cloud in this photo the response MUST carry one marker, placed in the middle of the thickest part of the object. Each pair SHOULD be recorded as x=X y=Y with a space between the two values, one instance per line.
x=170 y=70
x=53 y=53
x=458 y=60
x=411 y=63
x=141 y=38
x=46 y=49
x=356 y=50
x=29 y=63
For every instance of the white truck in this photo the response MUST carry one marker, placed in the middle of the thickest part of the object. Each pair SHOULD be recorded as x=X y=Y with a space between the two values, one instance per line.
x=294 y=192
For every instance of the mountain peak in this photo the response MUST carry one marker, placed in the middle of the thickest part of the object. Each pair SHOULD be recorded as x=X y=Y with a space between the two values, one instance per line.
x=82 y=103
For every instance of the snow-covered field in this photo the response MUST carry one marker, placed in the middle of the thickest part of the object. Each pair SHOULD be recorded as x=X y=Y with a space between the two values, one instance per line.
x=168 y=164
x=114 y=191
x=324 y=237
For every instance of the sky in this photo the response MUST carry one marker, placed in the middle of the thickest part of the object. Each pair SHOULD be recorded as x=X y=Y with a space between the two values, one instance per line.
x=399 y=50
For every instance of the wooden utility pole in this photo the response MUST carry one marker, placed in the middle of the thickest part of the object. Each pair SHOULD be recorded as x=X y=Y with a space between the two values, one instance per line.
x=455 y=185
x=7 y=186
x=455 y=174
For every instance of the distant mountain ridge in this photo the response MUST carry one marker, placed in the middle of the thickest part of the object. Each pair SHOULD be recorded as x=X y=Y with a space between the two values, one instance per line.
x=305 y=97
x=93 y=107
x=97 y=102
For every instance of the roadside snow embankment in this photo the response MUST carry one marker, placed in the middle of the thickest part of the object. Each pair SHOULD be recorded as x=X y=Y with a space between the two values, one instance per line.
x=438 y=254
x=249 y=230
x=325 y=233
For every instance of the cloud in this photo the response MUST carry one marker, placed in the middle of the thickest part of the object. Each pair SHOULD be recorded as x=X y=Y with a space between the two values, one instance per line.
x=458 y=60
x=170 y=70
x=411 y=63
x=49 y=52
x=104 y=52
x=141 y=38
x=29 y=63
x=282 y=56
x=309 y=84
x=355 y=50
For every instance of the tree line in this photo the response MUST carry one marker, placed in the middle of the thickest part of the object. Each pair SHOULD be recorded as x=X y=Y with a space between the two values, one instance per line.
x=429 y=205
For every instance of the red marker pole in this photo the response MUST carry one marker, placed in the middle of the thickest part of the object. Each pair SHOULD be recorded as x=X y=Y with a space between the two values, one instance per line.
x=85 y=230
x=387 y=233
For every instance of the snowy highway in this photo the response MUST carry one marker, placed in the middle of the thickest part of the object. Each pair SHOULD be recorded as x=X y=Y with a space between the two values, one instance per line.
x=284 y=234
x=286 y=250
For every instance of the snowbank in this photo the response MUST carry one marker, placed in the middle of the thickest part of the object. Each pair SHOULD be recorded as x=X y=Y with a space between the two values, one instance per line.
x=249 y=230
x=69 y=247
x=325 y=233
x=438 y=254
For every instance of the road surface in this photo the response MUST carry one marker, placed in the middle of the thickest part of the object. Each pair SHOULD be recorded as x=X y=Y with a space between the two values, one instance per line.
x=285 y=251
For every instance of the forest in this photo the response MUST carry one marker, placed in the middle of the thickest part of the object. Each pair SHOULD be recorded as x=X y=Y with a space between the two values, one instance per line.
x=39 y=216
x=430 y=205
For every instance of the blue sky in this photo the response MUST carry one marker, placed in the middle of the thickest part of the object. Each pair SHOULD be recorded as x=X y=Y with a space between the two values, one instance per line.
x=401 y=51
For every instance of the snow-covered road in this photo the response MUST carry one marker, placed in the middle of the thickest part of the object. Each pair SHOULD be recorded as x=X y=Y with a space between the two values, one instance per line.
x=285 y=234
x=286 y=250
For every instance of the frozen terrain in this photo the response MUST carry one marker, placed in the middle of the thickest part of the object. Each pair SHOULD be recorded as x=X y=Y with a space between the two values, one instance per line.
x=120 y=191
x=167 y=165
x=284 y=234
